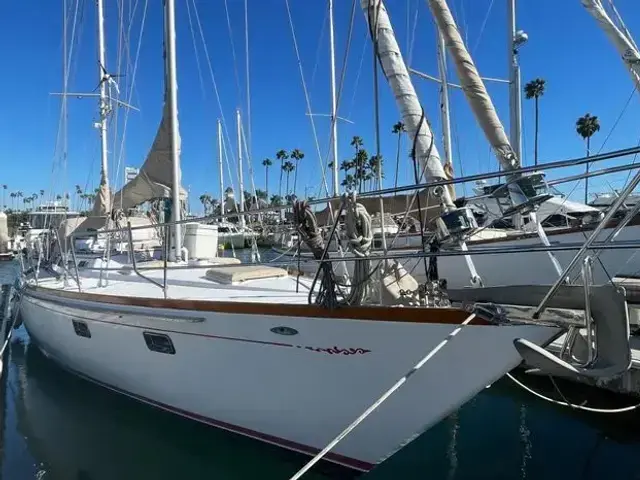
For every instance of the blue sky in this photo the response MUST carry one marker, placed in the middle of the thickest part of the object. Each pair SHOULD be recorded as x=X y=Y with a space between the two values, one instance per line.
x=582 y=70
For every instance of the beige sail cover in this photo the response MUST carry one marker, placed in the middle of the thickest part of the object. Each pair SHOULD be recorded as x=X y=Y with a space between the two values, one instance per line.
x=624 y=45
x=473 y=86
x=396 y=73
x=102 y=203
x=155 y=177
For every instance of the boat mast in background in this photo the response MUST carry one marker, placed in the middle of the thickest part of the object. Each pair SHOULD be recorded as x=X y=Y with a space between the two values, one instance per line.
x=171 y=78
x=334 y=114
x=240 y=175
x=516 y=39
x=220 y=167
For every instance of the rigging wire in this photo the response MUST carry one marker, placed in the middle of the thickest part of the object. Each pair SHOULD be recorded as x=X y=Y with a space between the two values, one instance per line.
x=358 y=72
x=307 y=99
x=195 y=48
x=212 y=74
x=61 y=134
x=343 y=73
x=318 y=48
x=615 y=124
x=413 y=37
x=248 y=81
x=131 y=89
x=482 y=27
x=233 y=50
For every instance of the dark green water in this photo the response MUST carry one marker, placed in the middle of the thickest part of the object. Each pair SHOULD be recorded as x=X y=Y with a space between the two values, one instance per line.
x=56 y=426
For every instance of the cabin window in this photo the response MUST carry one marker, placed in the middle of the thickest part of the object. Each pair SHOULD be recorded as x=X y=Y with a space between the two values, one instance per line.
x=81 y=328
x=158 y=342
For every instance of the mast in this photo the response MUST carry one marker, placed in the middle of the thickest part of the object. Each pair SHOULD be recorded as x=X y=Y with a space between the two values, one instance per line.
x=171 y=78
x=444 y=101
x=473 y=86
x=515 y=91
x=334 y=115
x=622 y=41
x=103 y=78
x=413 y=115
x=240 y=177
x=220 y=167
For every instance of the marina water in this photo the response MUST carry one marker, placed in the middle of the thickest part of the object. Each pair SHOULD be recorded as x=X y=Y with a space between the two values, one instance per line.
x=56 y=426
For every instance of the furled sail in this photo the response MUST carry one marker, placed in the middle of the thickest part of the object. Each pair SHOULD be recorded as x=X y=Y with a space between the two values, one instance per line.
x=473 y=86
x=102 y=203
x=155 y=178
x=397 y=75
x=624 y=44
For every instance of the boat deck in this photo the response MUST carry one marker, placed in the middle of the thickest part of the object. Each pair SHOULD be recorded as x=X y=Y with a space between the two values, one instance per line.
x=189 y=284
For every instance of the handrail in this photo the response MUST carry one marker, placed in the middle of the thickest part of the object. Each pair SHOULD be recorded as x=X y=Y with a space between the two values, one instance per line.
x=75 y=264
x=419 y=186
x=412 y=254
x=134 y=265
x=587 y=244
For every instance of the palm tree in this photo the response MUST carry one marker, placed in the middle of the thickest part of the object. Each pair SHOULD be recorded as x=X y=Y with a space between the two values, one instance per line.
x=398 y=129
x=41 y=196
x=585 y=127
x=20 y=195
x=4 y=204
x=78 y=195
x=535 y=89
x=266 y=163
x=361 y=164
x=13 y=196
x=262 y=194
x=375 y=165
x=205 y=199
x=288 y=167
x=297 y=155
x=282 y=155
x=359 y=161
x=276 y=200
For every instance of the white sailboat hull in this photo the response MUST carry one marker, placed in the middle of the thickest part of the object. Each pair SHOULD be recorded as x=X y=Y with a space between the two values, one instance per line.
x=297 y=391
x=520 y=268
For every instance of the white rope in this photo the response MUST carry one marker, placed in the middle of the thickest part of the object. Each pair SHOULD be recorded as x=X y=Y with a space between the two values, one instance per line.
x=570 y=405
x=381 y=400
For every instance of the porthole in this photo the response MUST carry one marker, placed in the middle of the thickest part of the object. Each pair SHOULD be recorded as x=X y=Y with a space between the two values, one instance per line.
x=81 y=328
x=158 y=342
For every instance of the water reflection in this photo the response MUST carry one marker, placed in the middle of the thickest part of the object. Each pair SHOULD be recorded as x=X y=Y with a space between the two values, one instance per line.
x=76 y=430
